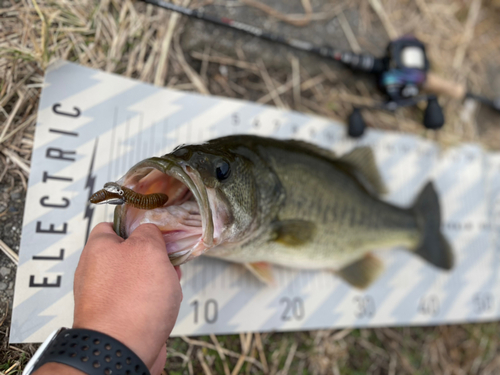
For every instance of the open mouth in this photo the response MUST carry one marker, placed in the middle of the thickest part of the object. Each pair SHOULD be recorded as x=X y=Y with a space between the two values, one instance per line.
x=186 y=219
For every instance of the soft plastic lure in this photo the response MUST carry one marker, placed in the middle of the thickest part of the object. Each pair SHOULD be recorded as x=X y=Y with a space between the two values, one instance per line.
x=113 y=193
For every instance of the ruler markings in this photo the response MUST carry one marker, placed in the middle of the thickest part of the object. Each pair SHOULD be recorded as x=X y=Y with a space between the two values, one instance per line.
x=406 y=162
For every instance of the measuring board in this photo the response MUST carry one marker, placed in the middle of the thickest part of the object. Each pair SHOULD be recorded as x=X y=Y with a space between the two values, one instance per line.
x=93 y=126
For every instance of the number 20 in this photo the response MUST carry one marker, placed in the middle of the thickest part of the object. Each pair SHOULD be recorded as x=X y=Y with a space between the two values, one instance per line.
x=293 y=308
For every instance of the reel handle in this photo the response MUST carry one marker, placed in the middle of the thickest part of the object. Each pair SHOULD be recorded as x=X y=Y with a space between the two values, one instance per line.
x=455 y=90
x=439 y=85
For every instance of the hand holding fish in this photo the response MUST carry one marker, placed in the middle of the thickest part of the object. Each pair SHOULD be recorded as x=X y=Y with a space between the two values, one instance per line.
x=129 y=290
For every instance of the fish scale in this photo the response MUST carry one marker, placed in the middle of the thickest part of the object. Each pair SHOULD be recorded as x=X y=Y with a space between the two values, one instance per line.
x=294 y=204
x=347 y=219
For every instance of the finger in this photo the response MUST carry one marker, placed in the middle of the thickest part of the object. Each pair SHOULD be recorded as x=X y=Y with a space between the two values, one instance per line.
x=179 y=272
x=147 y=233
x=160 y=361
x=104 y=231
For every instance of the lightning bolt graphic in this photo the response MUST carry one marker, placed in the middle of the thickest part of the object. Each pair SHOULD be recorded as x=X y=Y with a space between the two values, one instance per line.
x=89 y=209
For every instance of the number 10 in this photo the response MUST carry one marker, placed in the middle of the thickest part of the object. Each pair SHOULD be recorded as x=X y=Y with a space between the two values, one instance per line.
x=211 y=311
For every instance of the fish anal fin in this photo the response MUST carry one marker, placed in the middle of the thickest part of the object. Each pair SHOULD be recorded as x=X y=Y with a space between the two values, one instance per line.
x=263 y=271
x=362 y=272
x=361 y=162
x=294 y=232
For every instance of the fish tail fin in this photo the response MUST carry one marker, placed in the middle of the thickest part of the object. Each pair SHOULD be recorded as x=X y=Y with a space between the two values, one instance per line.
x=433 y=246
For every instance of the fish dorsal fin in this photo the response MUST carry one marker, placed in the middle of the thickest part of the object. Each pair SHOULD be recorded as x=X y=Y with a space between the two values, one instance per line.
x=263 y=271
x=327 y=154
x=361 y=163
x=293 y=232
x=363 y=272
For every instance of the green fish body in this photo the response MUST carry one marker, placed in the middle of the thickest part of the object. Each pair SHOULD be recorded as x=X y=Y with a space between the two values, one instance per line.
x=261 y=201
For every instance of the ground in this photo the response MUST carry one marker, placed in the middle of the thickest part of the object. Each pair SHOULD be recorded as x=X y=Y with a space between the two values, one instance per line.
x=134 y=40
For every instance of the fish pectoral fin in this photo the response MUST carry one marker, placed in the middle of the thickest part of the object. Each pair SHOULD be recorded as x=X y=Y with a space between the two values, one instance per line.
x=293 y=232
x=363 y=272
x=362 y=161
x=263 y=271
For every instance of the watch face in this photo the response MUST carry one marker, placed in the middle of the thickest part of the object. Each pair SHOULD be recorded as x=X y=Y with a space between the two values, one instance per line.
x=413 y=57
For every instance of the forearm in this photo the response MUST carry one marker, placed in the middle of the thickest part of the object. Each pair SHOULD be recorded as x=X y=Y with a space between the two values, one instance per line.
x=57 y=368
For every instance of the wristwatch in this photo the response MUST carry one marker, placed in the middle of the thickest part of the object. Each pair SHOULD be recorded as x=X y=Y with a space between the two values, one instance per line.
x=91 y=352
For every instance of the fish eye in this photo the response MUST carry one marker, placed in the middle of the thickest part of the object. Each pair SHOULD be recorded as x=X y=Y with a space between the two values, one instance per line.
x=222 y=170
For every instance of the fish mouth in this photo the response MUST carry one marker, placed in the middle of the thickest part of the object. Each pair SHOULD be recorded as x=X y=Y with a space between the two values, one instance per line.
x=185 y=222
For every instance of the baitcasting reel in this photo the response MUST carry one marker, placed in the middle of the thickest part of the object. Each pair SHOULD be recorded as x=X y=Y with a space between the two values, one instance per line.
x=402 y=74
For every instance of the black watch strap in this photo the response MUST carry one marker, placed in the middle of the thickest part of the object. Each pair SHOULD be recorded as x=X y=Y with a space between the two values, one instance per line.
x=93 y=353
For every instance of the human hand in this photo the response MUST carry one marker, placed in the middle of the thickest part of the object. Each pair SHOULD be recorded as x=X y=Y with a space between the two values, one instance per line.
x=128 y=289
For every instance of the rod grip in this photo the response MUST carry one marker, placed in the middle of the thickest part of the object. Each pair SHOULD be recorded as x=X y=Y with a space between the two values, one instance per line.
x=439 y=85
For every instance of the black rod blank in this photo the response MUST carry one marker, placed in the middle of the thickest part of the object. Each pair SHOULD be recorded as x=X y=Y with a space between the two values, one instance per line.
x=364 y=62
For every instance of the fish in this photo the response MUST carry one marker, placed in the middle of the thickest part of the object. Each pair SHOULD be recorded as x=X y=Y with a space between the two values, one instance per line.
x=261 y=202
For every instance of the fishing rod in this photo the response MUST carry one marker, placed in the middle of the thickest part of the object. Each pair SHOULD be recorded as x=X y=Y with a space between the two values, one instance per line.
x=402 y=72
x=363 y=62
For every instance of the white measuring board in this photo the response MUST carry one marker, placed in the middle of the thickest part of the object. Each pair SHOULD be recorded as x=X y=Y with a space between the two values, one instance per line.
x=93 y=126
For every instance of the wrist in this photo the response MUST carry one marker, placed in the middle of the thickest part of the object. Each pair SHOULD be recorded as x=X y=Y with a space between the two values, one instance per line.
x=85 y=350
x=57 y=368
x=128 y=336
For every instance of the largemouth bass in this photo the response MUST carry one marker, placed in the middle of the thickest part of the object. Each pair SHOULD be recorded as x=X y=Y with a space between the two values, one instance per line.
x=261 y=201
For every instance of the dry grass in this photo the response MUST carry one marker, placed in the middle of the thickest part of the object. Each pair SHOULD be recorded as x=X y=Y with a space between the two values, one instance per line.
x=142 y=42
